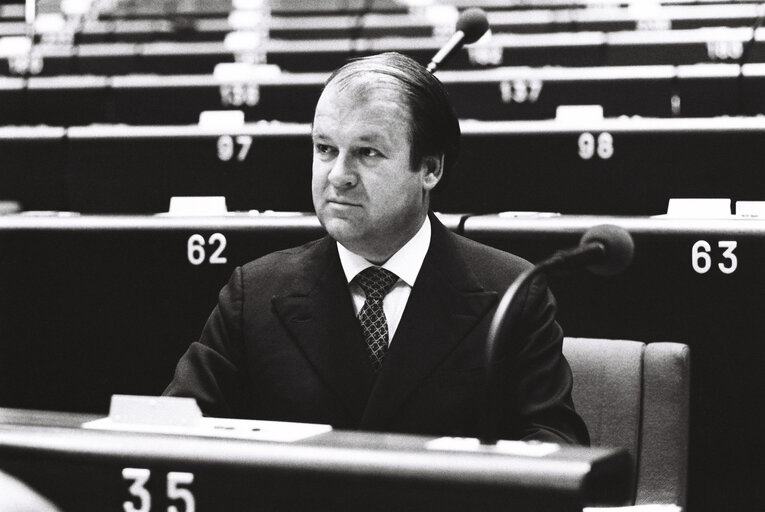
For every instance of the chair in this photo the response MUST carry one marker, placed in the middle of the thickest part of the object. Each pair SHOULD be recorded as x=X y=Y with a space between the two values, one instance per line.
x=636 y=396
x=16 y=496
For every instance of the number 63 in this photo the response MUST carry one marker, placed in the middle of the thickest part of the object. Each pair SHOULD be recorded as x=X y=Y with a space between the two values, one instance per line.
x=702 y=261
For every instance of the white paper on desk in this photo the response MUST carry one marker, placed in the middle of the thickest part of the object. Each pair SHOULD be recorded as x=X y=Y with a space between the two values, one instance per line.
x=471 y=444
x=255 y=430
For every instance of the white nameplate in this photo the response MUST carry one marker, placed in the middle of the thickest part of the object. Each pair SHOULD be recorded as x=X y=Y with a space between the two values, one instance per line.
x=753 y=209
x=701 y=208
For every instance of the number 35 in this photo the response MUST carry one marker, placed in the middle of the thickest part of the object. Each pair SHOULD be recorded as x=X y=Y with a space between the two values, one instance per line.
x=140 y=476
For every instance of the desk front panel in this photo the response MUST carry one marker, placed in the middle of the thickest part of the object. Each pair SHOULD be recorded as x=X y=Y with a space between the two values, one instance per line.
x=94 y=306
x=138 y=170
x=32 y=167
x=604 y=167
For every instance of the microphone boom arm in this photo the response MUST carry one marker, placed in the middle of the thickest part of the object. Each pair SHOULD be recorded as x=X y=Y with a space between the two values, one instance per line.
x=446 y=50
x=507 y=308
x=605 y=250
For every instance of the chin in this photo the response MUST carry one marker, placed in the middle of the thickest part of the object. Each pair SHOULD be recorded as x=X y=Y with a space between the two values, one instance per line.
x=340 y=229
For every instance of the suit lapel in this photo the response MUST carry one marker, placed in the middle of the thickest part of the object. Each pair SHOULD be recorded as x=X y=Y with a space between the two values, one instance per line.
x=318 y=313
x=445 y=305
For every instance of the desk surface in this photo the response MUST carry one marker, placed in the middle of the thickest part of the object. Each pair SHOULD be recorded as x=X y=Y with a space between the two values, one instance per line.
x=70 y=464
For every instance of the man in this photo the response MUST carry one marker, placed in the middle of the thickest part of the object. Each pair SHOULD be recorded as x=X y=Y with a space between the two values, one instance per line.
x=301 y=335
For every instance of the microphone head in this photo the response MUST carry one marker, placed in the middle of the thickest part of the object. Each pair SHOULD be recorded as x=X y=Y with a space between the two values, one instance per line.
x=618 y=249
x=473 y=23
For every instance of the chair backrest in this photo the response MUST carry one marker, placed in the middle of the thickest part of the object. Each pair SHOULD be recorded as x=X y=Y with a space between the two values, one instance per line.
x=636 y=396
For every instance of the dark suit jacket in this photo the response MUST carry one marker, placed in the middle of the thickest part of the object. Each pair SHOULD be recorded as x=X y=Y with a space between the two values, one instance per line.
x=283 y=343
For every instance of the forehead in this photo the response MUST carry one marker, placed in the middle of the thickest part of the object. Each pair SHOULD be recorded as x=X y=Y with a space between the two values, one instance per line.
x=362 y=111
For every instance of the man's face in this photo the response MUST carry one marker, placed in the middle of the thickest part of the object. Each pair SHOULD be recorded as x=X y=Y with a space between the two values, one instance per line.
x=365 y=192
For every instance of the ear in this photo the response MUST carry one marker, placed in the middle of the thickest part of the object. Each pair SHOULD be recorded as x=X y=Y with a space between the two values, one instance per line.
x=432 y=171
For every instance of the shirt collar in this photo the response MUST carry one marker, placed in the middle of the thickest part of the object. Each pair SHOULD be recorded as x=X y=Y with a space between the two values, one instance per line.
x=405 y=263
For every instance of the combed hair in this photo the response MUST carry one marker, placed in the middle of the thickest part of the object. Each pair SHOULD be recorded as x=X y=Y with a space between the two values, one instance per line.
x=434 y=127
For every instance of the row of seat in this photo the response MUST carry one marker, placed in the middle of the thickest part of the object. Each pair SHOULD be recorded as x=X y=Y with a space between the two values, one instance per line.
x=714 y=44
x=672 y=47
x=502 y=93
x=376 y=24
x=96 y=305
x=127 y=9
x=594 y=166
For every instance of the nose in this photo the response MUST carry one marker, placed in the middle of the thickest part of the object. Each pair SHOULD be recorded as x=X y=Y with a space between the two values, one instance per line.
x=343 y=172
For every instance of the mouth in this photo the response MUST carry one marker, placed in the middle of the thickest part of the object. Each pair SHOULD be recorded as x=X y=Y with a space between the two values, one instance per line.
x=339 y=202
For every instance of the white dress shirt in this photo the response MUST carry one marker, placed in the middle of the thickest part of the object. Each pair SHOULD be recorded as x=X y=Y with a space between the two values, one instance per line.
x=405 y=263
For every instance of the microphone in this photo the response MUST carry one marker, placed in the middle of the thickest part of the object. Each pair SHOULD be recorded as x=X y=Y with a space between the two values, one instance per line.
x=605 y=250
x=471 y=25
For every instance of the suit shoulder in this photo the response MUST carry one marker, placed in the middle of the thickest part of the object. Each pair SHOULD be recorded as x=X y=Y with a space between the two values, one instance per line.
x=494 y=267
x=476 y=252
x=283 y=262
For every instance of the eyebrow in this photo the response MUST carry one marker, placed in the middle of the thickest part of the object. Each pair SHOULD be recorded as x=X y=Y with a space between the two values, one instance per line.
x=365 y=137
x=374 y=138
x=317 y=135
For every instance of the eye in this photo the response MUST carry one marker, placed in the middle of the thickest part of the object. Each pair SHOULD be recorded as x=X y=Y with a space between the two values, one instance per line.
x=370 y=152
x=324 y=149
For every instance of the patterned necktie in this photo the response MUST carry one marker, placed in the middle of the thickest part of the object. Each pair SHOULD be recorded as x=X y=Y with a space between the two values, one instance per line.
x=376 y=282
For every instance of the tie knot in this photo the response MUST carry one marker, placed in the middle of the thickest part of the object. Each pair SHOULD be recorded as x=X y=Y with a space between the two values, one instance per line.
x=376 y=282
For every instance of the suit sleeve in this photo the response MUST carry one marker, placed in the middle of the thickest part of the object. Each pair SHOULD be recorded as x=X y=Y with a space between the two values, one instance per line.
x=542 y=379
x=211 y=370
